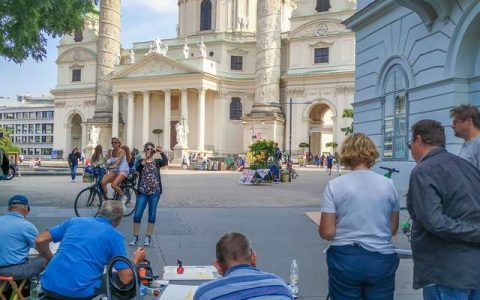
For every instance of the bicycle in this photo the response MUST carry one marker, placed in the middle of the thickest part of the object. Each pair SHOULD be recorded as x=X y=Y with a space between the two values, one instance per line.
x=89 y=200
x=12 y=172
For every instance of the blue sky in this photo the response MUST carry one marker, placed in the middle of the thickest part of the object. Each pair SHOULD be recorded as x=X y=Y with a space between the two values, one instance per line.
x=141 y=20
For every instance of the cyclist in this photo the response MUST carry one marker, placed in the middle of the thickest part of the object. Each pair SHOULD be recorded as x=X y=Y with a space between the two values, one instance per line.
x=149 y=190
x=118 y=169
x=98 y=162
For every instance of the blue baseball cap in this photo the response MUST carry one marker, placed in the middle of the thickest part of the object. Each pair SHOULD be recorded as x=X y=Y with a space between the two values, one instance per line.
x=18 y=199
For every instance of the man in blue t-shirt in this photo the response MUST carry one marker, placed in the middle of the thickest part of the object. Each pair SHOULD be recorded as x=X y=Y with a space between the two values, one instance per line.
x=18 y=236
x=236 y=262
x=87 y=245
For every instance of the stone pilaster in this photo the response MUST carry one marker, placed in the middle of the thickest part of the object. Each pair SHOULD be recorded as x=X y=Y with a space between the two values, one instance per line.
x=108 y=49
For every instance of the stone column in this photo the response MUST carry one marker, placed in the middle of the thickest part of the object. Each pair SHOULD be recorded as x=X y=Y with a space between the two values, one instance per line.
x=167 y=119
x=146 y=116
x=267 y=83
x=115 y=115
x=130 y=119
x=108 y=49
x=184 y=105
x=201 y=120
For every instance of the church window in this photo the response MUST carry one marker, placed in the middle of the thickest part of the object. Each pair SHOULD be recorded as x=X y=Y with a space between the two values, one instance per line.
x=323 y=5
x=395 y=126
x=321 y=55
x=77 y=75
x=78 y=36
x=236 y=62
x=235 y=109
x=206 y=15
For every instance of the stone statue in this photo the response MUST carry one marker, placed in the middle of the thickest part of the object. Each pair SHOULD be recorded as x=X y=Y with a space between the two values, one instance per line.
x=158 y=45
x=182 y=132
x=203 y=49
x=94 y=134
x=186 y=50
x=118 y=59
x=132 y=56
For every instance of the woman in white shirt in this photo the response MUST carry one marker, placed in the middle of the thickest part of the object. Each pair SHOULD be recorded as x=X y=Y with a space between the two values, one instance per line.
x=360 y=213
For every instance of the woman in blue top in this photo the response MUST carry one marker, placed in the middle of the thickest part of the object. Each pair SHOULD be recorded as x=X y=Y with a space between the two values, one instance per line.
x=360 y=213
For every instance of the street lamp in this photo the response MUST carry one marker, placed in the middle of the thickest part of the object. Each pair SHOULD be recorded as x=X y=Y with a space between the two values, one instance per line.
x=290 y=135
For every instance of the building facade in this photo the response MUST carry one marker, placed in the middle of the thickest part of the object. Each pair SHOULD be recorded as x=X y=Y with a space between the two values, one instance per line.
x=415 y=59
x=30 y=121
x=227 y=78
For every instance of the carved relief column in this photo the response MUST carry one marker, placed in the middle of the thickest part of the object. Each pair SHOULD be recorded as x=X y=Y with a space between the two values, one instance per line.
x=115 y=115
x=167 y=118
x=146 y=116
x=108 y=48
x=267 y=83
x=201 y=119
x=184 y=105
x=130 y=119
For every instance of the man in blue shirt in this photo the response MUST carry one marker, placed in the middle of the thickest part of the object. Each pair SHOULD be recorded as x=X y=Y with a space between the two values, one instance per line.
x=240 y=280
x=18 y=236
x=87 y=245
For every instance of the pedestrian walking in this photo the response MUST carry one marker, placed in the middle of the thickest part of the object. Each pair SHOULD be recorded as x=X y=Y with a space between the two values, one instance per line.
x=466 y=125
x=330 y=164
x=149 y=190
x=73 y=158
x=360 y=214
x=444 y=202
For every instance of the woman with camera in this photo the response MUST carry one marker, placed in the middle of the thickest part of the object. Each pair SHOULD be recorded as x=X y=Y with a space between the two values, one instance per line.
x=149 y=190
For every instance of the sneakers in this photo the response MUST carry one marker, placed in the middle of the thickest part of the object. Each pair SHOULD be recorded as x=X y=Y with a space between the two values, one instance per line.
x=134 y=242
x=147 y=241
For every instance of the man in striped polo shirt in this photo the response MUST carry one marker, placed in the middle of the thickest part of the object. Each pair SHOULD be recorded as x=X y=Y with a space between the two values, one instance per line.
x=240 y=280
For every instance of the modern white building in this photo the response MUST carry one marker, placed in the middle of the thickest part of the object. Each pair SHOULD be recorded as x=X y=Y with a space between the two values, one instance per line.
x=217 y=76
x=30 y=121
x=415 y=59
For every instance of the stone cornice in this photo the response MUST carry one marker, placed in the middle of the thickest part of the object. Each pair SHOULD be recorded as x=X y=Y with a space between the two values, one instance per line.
x=368 y=14
x=319 y=75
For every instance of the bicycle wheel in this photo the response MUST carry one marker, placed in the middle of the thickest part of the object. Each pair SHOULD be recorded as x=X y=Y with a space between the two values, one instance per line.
x=11 y=173
x=131 y=193
x=88 y=202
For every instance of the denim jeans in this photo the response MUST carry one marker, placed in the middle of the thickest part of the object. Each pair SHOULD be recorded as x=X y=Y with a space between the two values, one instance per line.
x=142 y=201
x=73 y=171
x=355 y=273
x=440 y=292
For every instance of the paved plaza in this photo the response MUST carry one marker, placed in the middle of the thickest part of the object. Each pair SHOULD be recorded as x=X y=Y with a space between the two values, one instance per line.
x=197 y=207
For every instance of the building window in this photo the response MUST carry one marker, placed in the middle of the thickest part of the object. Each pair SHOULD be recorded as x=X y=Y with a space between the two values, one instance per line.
x=235 y=108
x=321 y=55
x=236 y=62
x=323 y=5
x=78 y=36
x=395 y=127
x=206 y=15
x=77 y=75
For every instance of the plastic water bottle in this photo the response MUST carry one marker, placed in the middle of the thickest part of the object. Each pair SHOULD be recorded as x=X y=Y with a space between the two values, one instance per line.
x=34 y=289
x=294 y=277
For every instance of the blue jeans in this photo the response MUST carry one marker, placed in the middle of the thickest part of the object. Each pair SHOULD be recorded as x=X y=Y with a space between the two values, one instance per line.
x=355 y=273
x=142 y=201
x=440 y=292
x=73 y=171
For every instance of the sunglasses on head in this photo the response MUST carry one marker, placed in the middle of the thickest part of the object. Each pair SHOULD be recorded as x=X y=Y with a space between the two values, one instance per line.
x=114 y=142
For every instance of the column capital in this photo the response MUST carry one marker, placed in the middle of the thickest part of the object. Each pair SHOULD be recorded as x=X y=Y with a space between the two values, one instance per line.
x=146 y=92
x=167 y=91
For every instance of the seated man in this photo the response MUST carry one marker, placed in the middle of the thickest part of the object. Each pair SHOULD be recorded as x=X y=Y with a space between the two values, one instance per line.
x=236 y=262
x=17 y=237
x=87 y=245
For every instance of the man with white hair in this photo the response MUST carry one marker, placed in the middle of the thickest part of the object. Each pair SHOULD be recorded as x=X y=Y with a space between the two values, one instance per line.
x=87 y=245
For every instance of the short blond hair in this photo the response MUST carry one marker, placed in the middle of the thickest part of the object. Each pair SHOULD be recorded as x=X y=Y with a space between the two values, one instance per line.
x=358 y=148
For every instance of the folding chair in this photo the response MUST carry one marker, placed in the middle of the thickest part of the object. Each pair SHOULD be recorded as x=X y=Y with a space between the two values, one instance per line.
x=17 y=290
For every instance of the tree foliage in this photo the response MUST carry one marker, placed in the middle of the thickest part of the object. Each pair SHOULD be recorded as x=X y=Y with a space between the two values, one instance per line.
x=25 y=25
x=261 y=151
x=6 y=142
x=331 y=145
x=348 y=114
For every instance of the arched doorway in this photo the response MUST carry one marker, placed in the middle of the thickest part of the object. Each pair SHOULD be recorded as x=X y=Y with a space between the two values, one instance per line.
x=76 y=132
x=320 y=129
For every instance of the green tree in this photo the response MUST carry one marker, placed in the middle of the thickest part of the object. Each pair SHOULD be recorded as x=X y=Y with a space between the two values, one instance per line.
x=302 y=146
x=25 y=25
x=261 y=150
x=6 y=142
x=332 y=145
x=348 y=114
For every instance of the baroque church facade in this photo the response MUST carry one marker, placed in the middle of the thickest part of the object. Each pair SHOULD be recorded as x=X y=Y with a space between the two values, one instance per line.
x=415 y=59
x=227 y=78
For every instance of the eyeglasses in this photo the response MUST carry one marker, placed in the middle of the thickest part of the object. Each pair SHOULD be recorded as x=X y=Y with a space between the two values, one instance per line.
x=115 y=142
x=148 y=149
x=409 y=144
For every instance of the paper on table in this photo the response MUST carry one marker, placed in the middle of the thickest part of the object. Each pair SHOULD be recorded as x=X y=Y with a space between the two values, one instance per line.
x=178 y=292
x=53 y=248
x=190 y=273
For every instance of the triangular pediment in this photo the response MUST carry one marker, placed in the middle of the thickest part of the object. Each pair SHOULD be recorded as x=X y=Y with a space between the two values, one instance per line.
x=154 y=64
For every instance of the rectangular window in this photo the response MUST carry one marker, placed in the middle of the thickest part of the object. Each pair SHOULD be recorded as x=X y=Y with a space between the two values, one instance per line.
x=321 y=55
x=31 y=128
x=9 y=116
x=24 y=128
x=395 y=131
x=236 y=62
x=38 y=139
x=49 y=139
x=77 y=75
x=49 y=128
x=38 y=128
x=235 y=109
x=18 y=116
x=32 y=115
